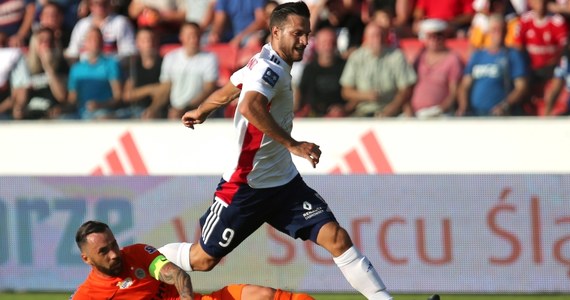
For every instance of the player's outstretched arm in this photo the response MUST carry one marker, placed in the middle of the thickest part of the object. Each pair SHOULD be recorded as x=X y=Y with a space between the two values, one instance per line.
x=254 y=108
x=172 y=274
x=217 y=99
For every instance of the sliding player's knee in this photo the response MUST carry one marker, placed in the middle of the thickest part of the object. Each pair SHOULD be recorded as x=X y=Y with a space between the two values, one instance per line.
x=204 y=265
x=202 y=261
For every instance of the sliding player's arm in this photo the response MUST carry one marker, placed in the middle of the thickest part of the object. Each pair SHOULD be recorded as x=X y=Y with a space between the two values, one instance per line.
x=167 y=272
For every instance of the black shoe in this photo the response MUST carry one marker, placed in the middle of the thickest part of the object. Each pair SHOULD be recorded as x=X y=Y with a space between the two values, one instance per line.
x=433 y=297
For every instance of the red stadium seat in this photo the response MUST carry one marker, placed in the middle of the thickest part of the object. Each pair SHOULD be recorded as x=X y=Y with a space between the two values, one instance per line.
x=164 y=49
x=227 y=59
x=413 y=46
x=460 y=46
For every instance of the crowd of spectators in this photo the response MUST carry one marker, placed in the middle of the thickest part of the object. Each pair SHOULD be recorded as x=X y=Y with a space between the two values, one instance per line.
x=150 y=59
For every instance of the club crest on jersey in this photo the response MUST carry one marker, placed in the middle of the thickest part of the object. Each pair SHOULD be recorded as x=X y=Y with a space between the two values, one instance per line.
x=139 y=273
x=125 y=283
x=270 y=77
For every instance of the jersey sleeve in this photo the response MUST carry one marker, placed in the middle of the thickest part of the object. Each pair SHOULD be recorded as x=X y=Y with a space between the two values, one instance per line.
x=262 y=78
x=150 y=256
x=237 y=77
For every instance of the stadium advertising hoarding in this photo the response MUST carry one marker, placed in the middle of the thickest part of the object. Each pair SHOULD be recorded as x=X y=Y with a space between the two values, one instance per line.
x=464 y=205
x=445 y=233
x=400 y=146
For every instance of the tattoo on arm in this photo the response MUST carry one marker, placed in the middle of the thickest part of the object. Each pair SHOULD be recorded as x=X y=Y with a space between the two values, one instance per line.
x=172 y=274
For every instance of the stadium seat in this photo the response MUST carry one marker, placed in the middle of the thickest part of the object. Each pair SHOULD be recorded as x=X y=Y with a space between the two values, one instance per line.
x=460 y=46
x=413 y=46
x=227 y=59
x=164 y=49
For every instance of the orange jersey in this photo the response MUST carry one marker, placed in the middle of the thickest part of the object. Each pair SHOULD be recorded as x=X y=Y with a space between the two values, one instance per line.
x=136 y=281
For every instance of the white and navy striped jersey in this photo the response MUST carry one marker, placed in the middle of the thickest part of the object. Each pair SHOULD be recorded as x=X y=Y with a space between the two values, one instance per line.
x=258 y=160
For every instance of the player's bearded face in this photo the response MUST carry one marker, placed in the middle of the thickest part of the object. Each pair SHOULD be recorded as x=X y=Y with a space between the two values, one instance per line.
x=294 y=37
x=112 y=267
x=104 y=254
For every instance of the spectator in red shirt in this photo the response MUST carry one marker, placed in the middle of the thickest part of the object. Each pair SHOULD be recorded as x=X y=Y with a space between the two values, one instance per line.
x=543 y=36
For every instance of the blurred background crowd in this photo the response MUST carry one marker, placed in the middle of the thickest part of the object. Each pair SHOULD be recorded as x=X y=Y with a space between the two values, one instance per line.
x=156 y=59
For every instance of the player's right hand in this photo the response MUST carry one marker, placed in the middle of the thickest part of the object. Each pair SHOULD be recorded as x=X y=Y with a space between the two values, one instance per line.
x=192 y=117
x=308 y=151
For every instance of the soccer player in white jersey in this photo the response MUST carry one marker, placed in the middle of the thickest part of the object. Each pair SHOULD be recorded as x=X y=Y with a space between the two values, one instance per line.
x=263 y=185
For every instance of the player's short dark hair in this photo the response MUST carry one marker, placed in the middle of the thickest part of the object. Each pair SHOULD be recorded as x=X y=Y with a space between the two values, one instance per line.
x=88 y=228
x=283 y=11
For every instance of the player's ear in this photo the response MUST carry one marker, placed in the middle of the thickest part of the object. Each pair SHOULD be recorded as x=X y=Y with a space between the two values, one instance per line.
x=274 y=31
x=85 y=258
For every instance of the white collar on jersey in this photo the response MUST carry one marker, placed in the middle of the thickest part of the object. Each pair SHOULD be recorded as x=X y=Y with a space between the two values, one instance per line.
x=268 y=53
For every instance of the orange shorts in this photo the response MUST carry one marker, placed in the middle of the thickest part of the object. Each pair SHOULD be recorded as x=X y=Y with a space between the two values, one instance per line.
x=230 y=292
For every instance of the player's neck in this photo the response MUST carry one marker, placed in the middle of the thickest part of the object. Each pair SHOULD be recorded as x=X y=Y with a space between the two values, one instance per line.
x=100 y=274
x=282 y=55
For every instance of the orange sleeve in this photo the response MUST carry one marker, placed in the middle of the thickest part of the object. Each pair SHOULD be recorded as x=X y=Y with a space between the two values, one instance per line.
x=142 y=253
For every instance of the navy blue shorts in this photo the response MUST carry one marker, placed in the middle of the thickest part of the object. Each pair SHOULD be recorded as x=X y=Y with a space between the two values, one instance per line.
x=294 y=209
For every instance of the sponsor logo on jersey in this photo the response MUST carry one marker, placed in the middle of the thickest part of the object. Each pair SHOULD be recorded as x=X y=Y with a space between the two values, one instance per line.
x=270 y=77
x=125 y=283
x=140 y=273
x=149 y=249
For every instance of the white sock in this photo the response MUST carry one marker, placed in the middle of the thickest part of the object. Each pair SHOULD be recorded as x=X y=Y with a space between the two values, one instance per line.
x=178 y=254
x=360 y=273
